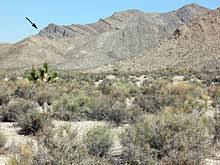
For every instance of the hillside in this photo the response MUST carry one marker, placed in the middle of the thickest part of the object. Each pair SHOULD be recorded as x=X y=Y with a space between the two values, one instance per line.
x=123 y=35
x=196 y=45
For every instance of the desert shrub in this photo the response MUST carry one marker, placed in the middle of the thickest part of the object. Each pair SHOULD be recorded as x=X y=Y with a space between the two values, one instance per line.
x=98 y=140
x=173 y=71
x=16 y=109
x=217 y=126
x=95 y=107
x=4 y=99
x=25 y=154
x=109 y=110
x=133 y=114
x=43 y=97
x=168 y=138
x=214 y=93
x=46 y=93
x=61 y=146
x=2 y=74
x=122 y=90
x=6 y=90
x=183 y=96
x=2 y=140
x=151 y=96
x=24 y=89
x=105 y=85
x=32 y=123
x=118 y=89
x=149 y=103
x=71 y=107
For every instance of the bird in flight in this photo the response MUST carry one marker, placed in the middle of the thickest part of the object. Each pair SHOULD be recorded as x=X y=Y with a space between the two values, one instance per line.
x=33 y=24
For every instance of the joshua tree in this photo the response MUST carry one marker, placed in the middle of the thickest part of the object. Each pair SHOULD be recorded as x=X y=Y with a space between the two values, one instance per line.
x=43 y=74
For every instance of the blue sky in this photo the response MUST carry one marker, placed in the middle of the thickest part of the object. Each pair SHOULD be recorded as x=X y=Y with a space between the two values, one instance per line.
x=14 y=27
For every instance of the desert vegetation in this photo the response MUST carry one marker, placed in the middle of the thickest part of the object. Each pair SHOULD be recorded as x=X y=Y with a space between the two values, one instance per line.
x=169 y=116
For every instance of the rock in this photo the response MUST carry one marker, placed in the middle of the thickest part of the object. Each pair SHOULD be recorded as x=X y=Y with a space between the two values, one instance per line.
x=178 y=78
x=6 y=79
x=110 y=77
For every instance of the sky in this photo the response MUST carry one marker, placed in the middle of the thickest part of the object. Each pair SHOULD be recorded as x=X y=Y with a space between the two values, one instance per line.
x=14 y=26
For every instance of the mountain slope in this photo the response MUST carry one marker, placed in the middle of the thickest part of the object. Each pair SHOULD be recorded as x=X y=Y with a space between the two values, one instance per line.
x=137 y=32
x=196 y=45
x=118 y=37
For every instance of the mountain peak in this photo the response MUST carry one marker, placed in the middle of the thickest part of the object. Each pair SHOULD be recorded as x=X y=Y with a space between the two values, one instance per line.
x=191 y=11
x=194 y=6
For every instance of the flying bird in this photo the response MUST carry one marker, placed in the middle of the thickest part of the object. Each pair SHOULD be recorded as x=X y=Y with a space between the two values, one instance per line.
x=33 y=24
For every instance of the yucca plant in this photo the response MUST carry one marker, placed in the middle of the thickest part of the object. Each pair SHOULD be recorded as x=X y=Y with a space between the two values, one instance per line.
x=43 y=74
x=45 y=67
x=54 y=75
x=33 y=74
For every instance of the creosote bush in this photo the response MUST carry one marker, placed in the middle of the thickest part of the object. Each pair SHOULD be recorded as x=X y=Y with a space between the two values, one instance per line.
x=118 y=89
x=183 y=96
x=77 y=107
x=169 y=139
x=2 y=74
x=73 y=107
x=2 y=140
x=16 y=109
x=46 y=93
x=109 y=110
x=98 y=140
x=24 y=89
x=32 y=123
x=4 y=99
x=62 y=146
x=214 y=92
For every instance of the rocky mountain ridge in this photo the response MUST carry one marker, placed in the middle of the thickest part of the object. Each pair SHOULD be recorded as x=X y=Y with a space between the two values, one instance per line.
x=118 y=37
x=195 y=44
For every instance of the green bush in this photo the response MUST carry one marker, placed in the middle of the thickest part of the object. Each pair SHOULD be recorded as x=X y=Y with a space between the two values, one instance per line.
x=217 y=126
x=183 y=96
x=2 y=140
x=98 y=140
x=2 y=74
x=46 y=94
x=32 y=123
x=118 y=89
x=61 y=146
x=166 y=137
x=105 y=85
x=25 y=90
x=109 y=110
x=43 y=97
x=73 y=107
x=214 y=93
x=100 y=107
x=4 y=99
x=16 y=109
x=152 y=97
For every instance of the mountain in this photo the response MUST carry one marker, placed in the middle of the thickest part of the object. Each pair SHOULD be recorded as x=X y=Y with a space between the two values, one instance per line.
x=121 y=36
x=195 y=44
